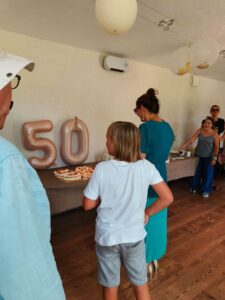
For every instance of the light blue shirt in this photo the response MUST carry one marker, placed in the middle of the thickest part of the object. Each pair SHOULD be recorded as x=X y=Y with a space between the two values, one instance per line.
x=122 y=188
x=27 y=267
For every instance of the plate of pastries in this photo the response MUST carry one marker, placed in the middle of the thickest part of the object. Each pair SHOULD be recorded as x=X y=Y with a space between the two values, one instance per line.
x=76 y=174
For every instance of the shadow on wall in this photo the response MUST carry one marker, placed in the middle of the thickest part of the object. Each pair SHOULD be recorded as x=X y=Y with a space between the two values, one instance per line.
x=175 y=127
x=190 y=126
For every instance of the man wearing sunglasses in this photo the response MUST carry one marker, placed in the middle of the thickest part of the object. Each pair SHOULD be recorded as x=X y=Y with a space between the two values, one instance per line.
x=218 y=122
x=27 y=267
x=219 y=125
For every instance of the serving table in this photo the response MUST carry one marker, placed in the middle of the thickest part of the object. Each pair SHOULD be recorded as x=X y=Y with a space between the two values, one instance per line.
x=180 y=168
x=65 y=196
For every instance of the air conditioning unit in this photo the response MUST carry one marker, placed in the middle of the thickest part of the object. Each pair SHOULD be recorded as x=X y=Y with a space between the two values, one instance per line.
x=115 y=63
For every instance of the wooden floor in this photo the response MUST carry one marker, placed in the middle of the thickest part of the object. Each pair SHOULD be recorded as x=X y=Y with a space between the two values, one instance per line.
x=193 y=268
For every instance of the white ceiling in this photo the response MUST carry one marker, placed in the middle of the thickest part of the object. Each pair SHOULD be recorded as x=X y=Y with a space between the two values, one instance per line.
x=73 y=22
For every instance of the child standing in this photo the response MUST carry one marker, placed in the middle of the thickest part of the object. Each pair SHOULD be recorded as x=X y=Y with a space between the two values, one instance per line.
x=119 y=188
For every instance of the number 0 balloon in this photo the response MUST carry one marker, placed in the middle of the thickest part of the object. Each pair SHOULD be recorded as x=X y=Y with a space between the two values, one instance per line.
x=68 y=128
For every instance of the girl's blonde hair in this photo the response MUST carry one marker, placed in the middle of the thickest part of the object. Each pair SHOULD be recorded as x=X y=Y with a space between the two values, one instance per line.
x=126 y=141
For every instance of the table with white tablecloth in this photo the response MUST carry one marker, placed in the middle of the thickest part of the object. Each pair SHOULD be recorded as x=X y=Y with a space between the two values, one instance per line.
x=181 y=167
x=66 y=196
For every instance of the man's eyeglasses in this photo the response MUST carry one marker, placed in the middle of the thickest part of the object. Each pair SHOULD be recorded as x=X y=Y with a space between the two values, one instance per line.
x=11 y=105
x=15 y=82
x=215 y=109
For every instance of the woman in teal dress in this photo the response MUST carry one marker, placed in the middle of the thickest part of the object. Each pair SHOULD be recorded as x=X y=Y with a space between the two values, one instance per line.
x=156 y=141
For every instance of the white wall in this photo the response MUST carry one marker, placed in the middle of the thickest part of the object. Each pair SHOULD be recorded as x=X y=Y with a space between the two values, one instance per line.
x=70 y=82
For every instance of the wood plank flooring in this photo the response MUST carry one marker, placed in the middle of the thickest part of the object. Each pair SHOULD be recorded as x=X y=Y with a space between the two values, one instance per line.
x=193 y=268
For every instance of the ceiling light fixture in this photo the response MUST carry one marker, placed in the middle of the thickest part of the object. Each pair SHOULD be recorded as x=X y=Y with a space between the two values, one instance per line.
x=222 y=53
x=166 y=23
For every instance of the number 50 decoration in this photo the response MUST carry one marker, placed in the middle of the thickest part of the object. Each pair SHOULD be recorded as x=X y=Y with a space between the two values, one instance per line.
x=31 y=142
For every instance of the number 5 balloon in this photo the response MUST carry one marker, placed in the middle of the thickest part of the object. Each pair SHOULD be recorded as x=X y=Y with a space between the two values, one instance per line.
x=30 y=129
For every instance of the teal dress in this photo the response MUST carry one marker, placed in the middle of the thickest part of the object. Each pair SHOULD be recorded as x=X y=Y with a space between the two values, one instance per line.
x=156 y=141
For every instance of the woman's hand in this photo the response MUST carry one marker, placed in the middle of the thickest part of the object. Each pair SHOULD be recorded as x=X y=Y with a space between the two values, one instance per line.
x=213 y=162
x=164 y=200
x=146 y=218
x=181 y=147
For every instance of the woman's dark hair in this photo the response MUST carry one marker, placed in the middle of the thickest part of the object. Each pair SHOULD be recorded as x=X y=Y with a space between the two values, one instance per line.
x=210 y=119
x=149 y=101
x=151 y=92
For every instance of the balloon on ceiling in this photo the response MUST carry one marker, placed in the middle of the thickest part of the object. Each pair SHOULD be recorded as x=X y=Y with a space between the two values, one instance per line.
x=204 y=53
x=201 y=55
x=180 y=63
x=116 y=16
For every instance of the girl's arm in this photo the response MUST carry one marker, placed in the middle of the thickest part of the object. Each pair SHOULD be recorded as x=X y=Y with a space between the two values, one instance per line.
x=190 y=140
x=89 y=204
x=216 y=148
x=164 y=200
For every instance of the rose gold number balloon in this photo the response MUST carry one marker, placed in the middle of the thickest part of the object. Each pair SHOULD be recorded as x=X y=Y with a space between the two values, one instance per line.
x=29 y=130
x=67 y=129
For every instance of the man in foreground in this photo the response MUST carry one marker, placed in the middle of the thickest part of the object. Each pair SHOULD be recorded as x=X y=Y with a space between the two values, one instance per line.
x=27 y=267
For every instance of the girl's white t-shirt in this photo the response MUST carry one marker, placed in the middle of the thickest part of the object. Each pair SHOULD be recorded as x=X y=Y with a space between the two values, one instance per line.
x=122 y=188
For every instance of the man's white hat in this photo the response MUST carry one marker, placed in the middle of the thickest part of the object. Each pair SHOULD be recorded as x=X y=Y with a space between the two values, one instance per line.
x=11 y=65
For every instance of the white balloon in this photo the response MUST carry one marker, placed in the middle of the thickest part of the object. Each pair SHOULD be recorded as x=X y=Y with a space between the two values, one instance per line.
x=204 y=53
x=116 y=16
x=180 y=62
